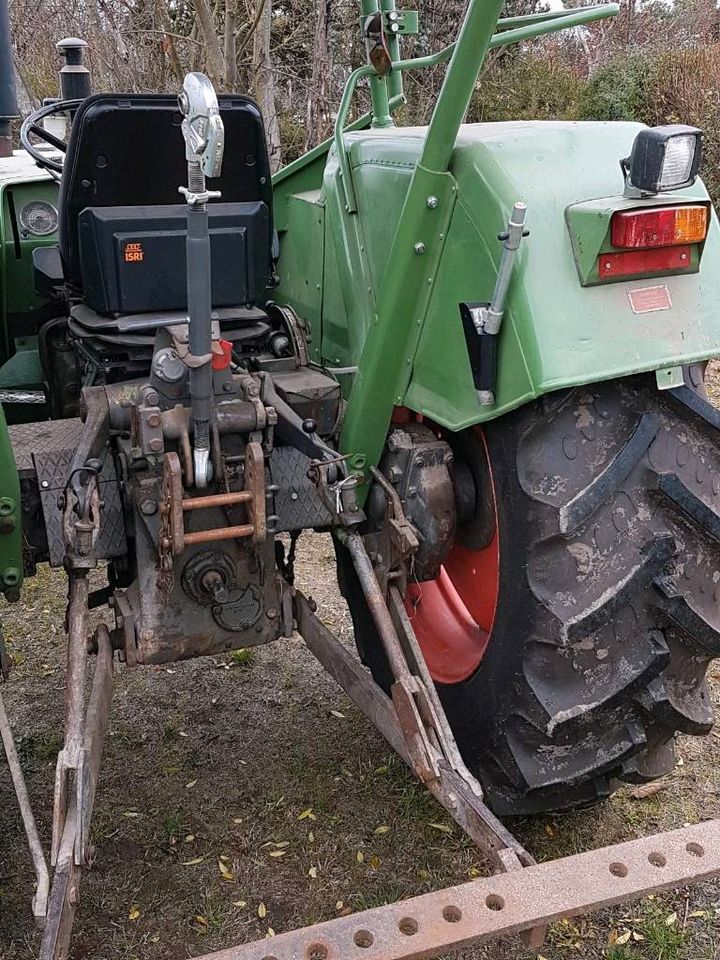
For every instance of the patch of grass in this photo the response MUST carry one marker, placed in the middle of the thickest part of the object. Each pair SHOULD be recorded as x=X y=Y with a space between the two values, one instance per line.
x=377 y=896
x=663 y=940
x=620 y=953
x=39 y=749
x=211 y=914
x=171 y=727
x=242 y=657
x=173 y=823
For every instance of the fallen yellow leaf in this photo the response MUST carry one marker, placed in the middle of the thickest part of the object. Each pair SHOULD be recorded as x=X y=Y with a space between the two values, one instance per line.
x=671 y=919
x=312 y=872
x=382 y=829
x=262 y=911
x=623 y=938
x=134 y=912
x=226 y=874
x=442 y=827
x=336 y=713
x=278 y=853
x=192 y=783
x=360 y=856
x=307 y=815
x=191 y=863
x=239 y=903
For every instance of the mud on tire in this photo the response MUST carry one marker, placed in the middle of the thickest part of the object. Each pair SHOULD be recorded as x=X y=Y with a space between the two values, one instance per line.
x=608 y=502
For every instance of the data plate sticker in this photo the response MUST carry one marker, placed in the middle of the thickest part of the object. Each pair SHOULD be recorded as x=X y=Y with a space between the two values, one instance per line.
x=648 y=299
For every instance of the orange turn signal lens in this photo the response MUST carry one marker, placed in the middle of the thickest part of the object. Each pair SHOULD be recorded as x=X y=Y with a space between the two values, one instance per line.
x=691 y=224
x=659 y=227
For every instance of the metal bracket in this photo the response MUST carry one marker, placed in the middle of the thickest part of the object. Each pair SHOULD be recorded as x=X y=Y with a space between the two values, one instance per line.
x=404 y=23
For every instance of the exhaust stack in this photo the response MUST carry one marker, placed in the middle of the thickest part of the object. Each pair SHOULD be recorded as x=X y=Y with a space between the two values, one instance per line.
x=74 y=75
x=8 y=95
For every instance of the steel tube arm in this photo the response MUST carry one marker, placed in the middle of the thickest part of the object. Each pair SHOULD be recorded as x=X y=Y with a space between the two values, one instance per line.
x=515 y=30
x=476 y=38
x=470 y=49
x=388 y=352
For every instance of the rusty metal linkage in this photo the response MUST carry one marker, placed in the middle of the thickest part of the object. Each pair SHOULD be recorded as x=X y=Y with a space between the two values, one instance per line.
x=173 y=536
x=71 y=853
x=450 y=789
x=39 y=905
x=479 y=910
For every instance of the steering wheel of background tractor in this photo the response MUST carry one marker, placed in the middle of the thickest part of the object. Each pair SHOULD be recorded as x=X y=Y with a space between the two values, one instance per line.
x=32 y=125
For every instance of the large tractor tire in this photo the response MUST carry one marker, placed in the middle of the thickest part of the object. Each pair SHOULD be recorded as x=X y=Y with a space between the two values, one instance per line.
x=570 y=631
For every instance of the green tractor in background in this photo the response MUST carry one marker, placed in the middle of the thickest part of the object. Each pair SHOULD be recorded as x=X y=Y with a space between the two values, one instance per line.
x=474 y=353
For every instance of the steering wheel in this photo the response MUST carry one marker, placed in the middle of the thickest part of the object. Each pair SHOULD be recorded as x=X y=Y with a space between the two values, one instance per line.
x=31 y=124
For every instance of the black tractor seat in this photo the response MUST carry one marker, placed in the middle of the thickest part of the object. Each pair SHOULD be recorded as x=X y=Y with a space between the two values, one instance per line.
x=120 y=266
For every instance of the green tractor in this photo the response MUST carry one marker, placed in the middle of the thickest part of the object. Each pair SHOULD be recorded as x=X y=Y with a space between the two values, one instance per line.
x=474 y=353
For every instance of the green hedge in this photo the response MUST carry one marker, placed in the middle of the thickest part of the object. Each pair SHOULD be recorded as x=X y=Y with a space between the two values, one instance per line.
x=666 y=86
x=653 y=86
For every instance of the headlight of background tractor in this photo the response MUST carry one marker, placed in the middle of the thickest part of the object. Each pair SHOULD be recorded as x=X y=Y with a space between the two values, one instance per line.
x=664 y=158
x=39 y=218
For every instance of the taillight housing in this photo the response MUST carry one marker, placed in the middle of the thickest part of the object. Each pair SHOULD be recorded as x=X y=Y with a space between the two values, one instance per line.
x=659 y=227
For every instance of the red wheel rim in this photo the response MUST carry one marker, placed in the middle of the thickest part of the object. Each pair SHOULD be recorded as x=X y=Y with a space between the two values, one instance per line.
x=453 y=615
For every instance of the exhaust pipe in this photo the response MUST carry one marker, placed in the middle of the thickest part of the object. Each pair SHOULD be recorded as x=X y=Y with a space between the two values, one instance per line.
x=8 y=94
x=74 y=75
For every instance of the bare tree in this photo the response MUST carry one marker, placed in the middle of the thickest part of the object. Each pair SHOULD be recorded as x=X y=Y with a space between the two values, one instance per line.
x=317 y=101
x=212 y=43
x=230 y=53
x=264 y=82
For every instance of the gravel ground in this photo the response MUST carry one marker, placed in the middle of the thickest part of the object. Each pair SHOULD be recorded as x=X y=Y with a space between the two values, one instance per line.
x=244 y=796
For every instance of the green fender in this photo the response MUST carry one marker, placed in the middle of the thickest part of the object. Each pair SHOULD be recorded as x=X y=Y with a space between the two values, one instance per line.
x=556 y=332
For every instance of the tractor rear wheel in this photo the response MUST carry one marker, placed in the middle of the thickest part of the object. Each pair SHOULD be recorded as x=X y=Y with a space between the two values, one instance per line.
x=571 y=628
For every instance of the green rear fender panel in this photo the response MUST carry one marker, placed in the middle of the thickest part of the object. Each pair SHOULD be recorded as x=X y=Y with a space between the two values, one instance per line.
x=556 y=332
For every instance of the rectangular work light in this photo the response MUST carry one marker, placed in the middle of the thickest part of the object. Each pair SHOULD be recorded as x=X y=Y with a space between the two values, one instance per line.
x=664 y=158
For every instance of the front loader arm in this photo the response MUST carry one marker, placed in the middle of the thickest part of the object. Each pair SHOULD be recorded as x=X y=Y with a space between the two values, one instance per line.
x=402 y=301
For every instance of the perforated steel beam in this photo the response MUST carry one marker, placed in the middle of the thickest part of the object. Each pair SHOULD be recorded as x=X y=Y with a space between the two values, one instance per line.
x=429 y=925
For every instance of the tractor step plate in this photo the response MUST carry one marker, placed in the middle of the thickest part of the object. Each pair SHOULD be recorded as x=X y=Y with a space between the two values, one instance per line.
x=44 y=452
x=431 y=924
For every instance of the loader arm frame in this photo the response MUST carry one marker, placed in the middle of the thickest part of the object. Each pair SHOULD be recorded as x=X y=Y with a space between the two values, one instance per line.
x=394 y=334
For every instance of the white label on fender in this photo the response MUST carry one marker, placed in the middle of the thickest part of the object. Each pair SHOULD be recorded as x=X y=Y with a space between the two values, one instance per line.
x=648 y=299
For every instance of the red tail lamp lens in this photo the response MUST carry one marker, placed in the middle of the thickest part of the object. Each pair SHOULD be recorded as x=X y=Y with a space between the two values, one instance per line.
x=638 y=263
x=659 y=227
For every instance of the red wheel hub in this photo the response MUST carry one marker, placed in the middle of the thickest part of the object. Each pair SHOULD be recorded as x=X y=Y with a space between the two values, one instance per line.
x=453 y=615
